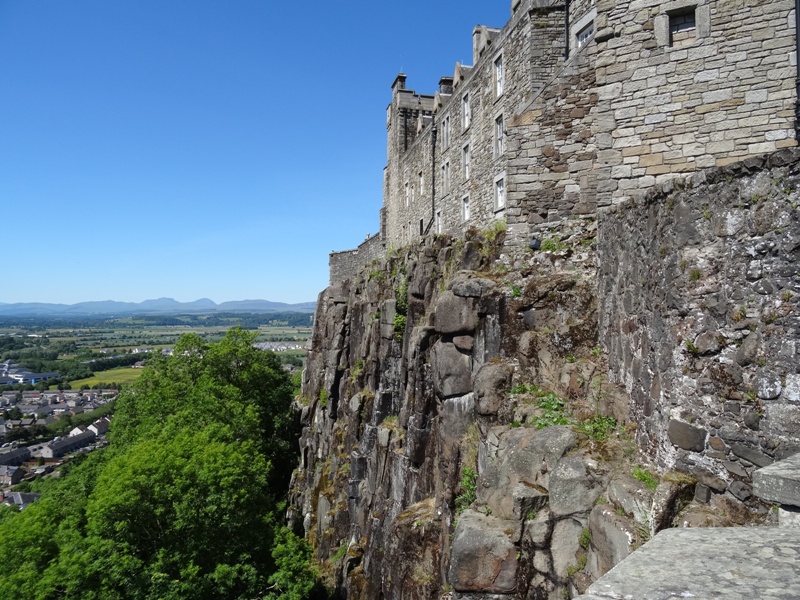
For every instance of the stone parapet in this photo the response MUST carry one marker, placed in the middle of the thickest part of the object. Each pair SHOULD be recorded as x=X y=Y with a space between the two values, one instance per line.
x=735 y=563
x=346 y=263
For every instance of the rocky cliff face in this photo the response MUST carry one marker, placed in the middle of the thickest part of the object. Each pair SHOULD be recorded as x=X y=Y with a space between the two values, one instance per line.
x=469 y=433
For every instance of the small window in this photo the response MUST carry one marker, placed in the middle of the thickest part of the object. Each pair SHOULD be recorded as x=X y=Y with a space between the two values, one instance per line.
x=682 y=28
x=499 y=136
x=499 y=76
x=445 y=133
x=465 y=208
x=407 y=194
x=438 y=221
x=499 y=193
x=585 y=34
x=467 y=158
x=446 y=178
x=466 y=112
x=421 y=183
x=421 y=226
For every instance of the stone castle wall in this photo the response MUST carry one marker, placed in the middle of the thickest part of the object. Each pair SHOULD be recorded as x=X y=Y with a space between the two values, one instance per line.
x=698 y=313
x=668 y=109
x=632 y=107
x=343 y=264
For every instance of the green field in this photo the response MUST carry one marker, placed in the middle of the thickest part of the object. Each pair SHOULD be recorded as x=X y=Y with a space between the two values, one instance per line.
x=120 y=375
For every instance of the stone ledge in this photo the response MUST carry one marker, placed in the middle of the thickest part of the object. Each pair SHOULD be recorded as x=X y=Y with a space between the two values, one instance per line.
x=736 y=563
x=779 y=482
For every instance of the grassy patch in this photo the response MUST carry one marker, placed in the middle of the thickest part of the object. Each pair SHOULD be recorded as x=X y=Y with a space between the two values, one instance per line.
x=120 y=375
x=646 y=477
x=469 y=490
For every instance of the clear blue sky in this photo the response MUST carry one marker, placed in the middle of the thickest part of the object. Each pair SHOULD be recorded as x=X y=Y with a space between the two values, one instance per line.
x=197 y=148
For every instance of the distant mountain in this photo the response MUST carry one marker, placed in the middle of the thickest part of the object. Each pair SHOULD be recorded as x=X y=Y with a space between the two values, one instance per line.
x=265 y=306
x=149 y=307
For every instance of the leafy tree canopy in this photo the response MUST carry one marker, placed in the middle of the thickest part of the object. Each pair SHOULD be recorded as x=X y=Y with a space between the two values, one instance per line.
x=185 y=501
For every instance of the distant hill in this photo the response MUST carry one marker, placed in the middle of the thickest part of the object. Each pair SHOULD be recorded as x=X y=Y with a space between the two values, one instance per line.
x=149 y=307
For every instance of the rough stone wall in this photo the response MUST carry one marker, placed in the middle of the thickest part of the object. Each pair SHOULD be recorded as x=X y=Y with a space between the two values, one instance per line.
x=342 y=265
x=665 y=110
x=699 y=289
x=554 y=151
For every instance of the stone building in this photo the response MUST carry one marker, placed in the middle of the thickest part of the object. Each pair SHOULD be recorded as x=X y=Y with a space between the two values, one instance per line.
x=573 y=106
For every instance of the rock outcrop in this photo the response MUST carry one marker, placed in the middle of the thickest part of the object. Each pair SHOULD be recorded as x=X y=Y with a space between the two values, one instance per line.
x=485 y=422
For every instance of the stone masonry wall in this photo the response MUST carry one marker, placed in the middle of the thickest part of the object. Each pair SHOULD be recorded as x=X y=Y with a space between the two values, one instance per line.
x=343 y=264
x=669 y=109
x=554 y=151
x=531 y=46
x=699 y=292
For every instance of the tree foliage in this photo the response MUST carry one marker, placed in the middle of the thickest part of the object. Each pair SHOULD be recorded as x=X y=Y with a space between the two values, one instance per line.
x=185 y=501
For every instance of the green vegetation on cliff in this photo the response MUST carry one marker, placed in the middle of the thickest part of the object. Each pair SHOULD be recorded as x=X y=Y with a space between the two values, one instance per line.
x=186 y=502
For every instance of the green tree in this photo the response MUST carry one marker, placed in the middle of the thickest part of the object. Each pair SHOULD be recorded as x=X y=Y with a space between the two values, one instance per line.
x=184 y=503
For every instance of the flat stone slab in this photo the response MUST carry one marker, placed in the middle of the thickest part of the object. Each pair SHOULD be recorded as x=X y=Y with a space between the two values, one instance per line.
x=779 y=482
x=734 y=563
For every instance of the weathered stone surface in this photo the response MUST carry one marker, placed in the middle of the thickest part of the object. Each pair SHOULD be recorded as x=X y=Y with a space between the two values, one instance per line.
x=573 y=487
x=754 y=455
x=565 y=544
x=483 y=558
x=779 y=482
x=613 y=537
x=452 y=375
x=472 y=287
x=492 y=383
x=632 y=496
x=768 y=385
x=455 y=314
x=708 y=563
x=687 y=436
x=523 y=458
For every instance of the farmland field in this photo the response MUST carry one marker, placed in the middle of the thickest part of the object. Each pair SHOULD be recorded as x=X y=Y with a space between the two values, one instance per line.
x=121 y=375
x=90 y=352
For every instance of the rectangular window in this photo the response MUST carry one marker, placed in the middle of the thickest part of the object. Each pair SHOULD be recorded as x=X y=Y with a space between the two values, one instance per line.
x=421 y=226
x=445 y=133
x=466 y=112
x=446 y=178
x=465 y=208
x=499 y=76
x=682 y=28
x=407 y=194
x=438 y=221
x=466 y=158
x=499 y=136
x=585 y=34
x=421 y=183
x=500 y=193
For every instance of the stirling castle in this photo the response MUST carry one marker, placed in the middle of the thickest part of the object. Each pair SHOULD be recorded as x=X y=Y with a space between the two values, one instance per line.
x=578 y=105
